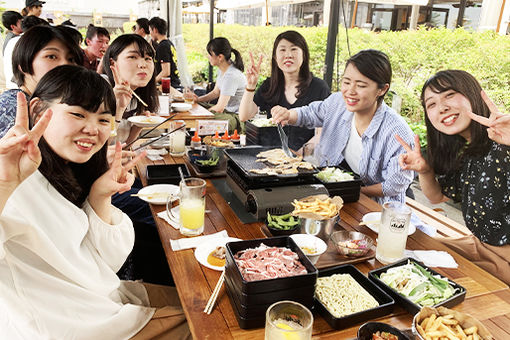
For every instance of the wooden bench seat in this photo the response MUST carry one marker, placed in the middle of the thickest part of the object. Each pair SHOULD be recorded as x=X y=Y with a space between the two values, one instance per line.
x=445 y=226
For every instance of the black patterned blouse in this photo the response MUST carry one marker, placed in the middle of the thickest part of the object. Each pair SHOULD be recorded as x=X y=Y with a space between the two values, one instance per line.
x=482 y=185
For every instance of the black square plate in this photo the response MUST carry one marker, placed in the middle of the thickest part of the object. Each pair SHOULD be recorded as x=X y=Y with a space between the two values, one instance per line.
x=166 y=173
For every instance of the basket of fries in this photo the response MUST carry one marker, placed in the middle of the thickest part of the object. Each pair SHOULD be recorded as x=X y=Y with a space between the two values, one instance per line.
x=319 y=214
x=444 y=323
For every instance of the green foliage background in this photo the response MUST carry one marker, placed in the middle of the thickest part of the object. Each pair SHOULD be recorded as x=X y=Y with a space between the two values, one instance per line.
x=414 y=55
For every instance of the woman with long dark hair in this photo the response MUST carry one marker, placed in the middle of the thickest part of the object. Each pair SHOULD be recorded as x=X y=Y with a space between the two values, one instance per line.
x=61 y=239
x=290 y=85
x=129 y=66
x=230 y=82
x=358 y=128
x=468 y=163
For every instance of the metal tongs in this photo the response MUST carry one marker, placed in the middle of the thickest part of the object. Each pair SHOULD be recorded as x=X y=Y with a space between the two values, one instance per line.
x=285 y=141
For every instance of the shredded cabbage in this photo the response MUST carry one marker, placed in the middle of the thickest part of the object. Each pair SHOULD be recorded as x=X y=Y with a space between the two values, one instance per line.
x=262 y=122
x=329 y=175
x=418 y=285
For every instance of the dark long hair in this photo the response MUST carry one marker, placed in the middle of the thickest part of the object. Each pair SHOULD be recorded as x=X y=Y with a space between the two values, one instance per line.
x=445 y=151
x=34 y=40
x=72 y=85
x=148 y=93
x=277 y=80
x=222 y=46
x=374 y=65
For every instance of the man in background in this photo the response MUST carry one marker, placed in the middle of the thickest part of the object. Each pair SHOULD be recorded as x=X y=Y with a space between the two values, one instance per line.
x=166 y=55
x=97 y=40
x=12 y=22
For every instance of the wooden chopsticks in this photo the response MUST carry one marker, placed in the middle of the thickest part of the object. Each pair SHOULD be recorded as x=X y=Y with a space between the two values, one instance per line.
x=137 y=97
x=212 y=300
x=146 y=133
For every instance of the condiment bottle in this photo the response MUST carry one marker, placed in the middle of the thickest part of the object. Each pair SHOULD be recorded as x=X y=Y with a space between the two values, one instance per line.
x=235 y=138
x=196 y=141
x=225 y=138
x=216 y=137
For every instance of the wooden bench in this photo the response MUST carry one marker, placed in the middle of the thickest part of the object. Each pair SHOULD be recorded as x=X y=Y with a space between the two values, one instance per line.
x=445 y=226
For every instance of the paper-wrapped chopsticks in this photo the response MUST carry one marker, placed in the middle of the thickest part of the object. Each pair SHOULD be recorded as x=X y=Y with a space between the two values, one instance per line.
x=212 y=300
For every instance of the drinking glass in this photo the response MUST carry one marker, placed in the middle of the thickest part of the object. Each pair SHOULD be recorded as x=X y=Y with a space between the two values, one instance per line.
x=393 y=230
x=188 y=95
x=192 y=206
x=288 y=320
x=177 y=139
x=165 y=85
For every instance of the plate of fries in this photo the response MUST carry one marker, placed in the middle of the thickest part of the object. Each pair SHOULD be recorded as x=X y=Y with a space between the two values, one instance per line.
x=318 y=207
x=443 y=323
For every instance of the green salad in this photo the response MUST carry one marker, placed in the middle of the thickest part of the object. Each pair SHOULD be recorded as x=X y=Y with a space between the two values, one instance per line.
x=262 y=122
x=329 y=175
x=418 y=284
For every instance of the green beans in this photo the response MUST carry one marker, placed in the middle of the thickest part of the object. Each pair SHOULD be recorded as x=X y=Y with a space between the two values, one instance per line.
x=282 y=222
x=210 y=162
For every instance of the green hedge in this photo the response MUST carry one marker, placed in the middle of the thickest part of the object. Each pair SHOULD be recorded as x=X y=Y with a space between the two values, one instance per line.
x=415 y=55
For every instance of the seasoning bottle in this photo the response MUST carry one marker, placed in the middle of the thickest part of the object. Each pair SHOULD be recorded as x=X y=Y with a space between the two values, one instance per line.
x=235 y=138
x=225 y=138
x=216 y=137
x=196 y=141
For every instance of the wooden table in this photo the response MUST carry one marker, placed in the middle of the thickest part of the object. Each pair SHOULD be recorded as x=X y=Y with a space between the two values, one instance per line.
x=487 y=299
x=190 y=117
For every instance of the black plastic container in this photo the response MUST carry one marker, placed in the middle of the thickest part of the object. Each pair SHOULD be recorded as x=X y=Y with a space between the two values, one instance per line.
x=385 y=307
x=410 y=306
x=166 y=173
x=265 y=136
x=348 y=190
x=270 y=285
x=245 y=323
x=366 y=330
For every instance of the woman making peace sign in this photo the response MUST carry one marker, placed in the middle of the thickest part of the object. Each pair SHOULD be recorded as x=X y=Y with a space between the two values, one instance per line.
x=468 y=163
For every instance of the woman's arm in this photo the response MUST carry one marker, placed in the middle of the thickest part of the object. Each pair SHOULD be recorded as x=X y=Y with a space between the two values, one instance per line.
x=373 y=190
x=221 y=104
x=247 y=108
x=215 y=93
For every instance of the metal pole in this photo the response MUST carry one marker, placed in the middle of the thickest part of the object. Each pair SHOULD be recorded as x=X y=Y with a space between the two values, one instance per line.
x=331 y=44
x=353 y=22
x=211 y=35
x=460 y=17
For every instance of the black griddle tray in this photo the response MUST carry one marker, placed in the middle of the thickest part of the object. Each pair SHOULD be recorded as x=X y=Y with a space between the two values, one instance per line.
x=246 y=159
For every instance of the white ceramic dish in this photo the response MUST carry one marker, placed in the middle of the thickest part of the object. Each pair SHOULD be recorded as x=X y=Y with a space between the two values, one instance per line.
x=203 y=250
x=311 y=242
x=376 y=216
x=144 y=121
x=169 y=189
x=181 y=107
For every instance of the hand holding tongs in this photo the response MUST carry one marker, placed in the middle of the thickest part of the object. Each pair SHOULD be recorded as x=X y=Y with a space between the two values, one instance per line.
x=285 y=141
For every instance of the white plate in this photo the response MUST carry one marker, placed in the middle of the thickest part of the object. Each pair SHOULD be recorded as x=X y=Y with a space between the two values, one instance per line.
x=203 y=250
x=376 y=216
x=181 y=107
x=157 y=188
x=144 y=121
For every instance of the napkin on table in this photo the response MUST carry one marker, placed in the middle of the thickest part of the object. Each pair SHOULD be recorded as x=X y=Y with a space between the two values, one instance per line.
x=173 y=222
x=426 y=228
x=433 y=258
x=193 y=242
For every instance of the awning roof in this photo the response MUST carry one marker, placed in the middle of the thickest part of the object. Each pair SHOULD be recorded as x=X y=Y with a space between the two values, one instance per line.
x=244 y=4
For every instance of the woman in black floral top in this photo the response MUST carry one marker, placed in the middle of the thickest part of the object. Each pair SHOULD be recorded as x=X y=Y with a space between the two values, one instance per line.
x=468 y=162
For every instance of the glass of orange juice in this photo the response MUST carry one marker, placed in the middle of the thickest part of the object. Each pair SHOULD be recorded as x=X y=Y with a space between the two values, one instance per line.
x=192 y=206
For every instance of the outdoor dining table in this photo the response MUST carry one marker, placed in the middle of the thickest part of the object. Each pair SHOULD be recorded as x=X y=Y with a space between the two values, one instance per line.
x=487 y=298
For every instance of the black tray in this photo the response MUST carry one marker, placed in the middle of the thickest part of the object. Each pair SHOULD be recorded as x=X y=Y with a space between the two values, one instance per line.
x=255 y=310
x=270 y=285
x=348 y=190
x=385 y=307
x=410 y=306
x=246 y=323
x=166 y=173
x=246 y=159
x=265 y=136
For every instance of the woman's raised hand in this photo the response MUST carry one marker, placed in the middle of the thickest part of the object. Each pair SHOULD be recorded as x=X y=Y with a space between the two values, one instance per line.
x=252 y=73
x=117 y=179
x=412 y=159
x=121 y=90
x=19 y=152
x=498 y=123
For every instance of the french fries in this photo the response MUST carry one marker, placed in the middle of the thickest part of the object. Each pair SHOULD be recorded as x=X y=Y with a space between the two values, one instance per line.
x=325 y=208
x=445 y=327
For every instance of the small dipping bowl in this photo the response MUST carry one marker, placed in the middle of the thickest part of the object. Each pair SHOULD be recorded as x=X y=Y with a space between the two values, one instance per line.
x=309 y=243
x=366 y=331
x=346 y=242
x=320 y=228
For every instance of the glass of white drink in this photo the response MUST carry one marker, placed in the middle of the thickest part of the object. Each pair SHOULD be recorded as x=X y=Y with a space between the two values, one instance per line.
x=288 y=320
x=393 y=230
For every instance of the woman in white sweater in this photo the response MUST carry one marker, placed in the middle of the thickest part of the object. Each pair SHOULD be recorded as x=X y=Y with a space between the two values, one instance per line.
x=61 y=240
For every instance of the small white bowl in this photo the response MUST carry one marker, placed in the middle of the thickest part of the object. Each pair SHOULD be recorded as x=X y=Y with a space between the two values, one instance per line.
x=181 y=107
x=310 y=242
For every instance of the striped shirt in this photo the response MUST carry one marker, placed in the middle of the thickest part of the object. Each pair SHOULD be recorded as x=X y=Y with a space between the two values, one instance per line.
x=379 y=156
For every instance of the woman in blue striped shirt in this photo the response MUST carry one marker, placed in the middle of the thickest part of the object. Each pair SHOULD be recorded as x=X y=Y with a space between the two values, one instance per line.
x=358 y=128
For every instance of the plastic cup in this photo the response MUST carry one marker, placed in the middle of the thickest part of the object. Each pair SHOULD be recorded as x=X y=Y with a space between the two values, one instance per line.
x=165 y=85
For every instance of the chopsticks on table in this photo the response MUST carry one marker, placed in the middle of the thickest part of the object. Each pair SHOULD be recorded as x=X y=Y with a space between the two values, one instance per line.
x=138 y=97
x=156 y=139
x=212 y=300
x=154 y=128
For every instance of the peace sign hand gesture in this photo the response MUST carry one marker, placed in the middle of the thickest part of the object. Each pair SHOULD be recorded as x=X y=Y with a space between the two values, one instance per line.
x=498 y=123
x=412 y=159
x=19 y=152
x=252 y=73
